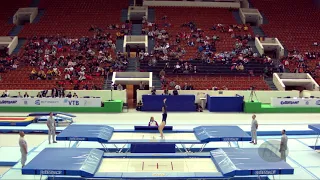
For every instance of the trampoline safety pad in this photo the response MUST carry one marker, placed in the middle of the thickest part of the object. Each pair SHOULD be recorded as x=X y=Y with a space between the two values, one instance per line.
x=157 y=165
x=152 y=136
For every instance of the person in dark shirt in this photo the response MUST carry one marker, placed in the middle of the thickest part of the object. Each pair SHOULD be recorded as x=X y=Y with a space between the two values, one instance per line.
x=4 y=95
x=164 y=118
x=69 y=95
x=175 y=92
x=39 y=95
x=139 y=106
x=153 y=91
x=75 y=95
x=166 y=91
x=26 y=95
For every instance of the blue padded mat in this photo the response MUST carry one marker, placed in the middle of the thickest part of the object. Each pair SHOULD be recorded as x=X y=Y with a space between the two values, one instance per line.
x=97 y=133
x=315 y=127
x=248 y=161
x=220 y=133
x=65 y=161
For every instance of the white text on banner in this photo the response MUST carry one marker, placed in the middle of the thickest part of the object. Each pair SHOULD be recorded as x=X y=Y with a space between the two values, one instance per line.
x=51 y=102
x=295 y=102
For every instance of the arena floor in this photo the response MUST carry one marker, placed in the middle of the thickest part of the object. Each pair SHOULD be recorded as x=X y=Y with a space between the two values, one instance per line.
x=304 y=159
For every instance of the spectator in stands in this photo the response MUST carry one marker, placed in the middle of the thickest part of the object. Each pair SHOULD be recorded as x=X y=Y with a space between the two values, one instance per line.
x=139 y=106
x=75 y=95
x=185 y=87
x=14 y=66
x=4 y=95
x=119 y=87
x=141 y=86
x=153 y=90
x=39 y=95
x=190 y=87
x=76 y=87
x=177 y=68
x=177 y=87
x=165 y=91
x=7 y=93
x=175 y=92
x=33 y=74
x=69 y=95
x=54 y=92
x=26 y=95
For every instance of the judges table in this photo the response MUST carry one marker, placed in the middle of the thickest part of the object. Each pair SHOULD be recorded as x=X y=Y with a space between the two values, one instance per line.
x=174 y=103
x=225 y=103
x=295 y=102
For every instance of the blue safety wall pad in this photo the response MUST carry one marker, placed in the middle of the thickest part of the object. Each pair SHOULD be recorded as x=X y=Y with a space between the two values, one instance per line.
x=65 y=161
x=97 y=133
x=15 y=123
x=220 y=133
x=315 y=127
x=246 y=162
x=53 y=113
x=315 y=147
x=27 y=130
x=149 y=128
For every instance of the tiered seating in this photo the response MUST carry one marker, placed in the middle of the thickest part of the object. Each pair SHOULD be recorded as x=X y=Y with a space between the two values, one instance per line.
x=204 y=18
x=205 y=68
x=208 y=82
x=73 y=18
x=7 y=10
x=294 y=22
x=19 y=79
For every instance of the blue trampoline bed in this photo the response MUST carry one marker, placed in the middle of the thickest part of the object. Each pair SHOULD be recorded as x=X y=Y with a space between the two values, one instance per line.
x=146 y=142
x=315 y=128
x=95 y=164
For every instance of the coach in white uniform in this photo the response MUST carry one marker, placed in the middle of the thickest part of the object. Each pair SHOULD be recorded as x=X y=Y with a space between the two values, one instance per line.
x=51 y=123
x=283 y=145
x=254 y=127
x=23 y=148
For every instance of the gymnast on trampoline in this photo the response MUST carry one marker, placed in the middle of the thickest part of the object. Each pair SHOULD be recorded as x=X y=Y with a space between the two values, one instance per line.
x=164 y=118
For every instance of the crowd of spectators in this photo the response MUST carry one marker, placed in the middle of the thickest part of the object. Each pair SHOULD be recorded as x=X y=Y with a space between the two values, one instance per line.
x=172 y=46
x=68 y=59
x=298 y=62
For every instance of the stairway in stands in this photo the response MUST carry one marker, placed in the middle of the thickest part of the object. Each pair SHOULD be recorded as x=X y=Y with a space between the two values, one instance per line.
x=270 y=83
x=16 y=30
x=133 y=64
x=35 y=3
x=108 y=83
x=258 y=31
x=236 y=16
x=21 y=43
x=156 y=81
x=38 y=17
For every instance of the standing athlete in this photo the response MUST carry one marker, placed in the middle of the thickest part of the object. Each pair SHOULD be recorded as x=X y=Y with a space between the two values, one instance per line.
x=23 y=148
x=164 y=118
x=51 y=123
x=254 y=127
x=283 y=145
